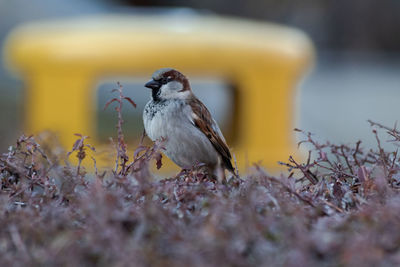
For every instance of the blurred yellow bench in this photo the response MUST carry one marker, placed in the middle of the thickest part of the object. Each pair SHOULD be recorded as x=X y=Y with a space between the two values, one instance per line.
x=61 y=61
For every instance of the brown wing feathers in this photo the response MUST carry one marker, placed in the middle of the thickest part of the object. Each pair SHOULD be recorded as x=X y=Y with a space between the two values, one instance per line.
x=203 y=121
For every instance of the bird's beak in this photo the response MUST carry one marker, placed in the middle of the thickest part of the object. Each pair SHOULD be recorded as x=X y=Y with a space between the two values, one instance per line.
x=152 y=84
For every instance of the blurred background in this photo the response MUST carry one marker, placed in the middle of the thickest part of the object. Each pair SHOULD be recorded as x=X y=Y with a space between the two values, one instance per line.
x=356 y=76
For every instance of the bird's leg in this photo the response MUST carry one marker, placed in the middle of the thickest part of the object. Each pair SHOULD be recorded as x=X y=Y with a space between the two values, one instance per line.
x=219 y=171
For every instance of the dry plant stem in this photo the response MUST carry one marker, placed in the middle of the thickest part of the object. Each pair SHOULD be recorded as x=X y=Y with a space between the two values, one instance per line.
x=336 y=171
x=381 y=153
x=80 y=148
x=152 y=152
x=389 y=169
x=142 y=137
x=305 y=170
x=139 y=163
x=96 y=172
x=122 y=157
x=121 y=151
x=357 y=152
x=391 y=131
x=333 y=206
x=78 y=168
x=346 y=159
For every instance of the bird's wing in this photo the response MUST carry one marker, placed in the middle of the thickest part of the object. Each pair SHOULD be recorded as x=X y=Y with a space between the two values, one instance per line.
x=201 y=118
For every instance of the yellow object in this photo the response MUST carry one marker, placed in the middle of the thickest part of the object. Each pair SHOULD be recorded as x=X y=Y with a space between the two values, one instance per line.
x=61 y=61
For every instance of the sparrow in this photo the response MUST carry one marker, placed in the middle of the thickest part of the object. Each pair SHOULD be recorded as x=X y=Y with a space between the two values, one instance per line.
x=191 y=135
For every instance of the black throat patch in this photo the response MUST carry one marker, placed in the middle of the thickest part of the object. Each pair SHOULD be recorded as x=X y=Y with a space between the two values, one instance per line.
x=155 y=94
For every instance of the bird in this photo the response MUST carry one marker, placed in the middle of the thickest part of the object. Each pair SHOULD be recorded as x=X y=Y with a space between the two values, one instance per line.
x=191 y=135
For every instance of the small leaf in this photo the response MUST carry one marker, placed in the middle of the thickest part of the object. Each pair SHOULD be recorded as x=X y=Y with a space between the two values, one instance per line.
x=76 y=145
x=109 y=102
x=299 y=143
x=130 y=101
x=158 y=158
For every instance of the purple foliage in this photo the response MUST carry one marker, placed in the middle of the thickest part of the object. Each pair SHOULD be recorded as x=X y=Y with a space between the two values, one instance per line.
x=340 y=207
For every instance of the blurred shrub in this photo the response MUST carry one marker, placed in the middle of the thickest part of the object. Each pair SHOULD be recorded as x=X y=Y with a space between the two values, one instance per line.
x=340 y=207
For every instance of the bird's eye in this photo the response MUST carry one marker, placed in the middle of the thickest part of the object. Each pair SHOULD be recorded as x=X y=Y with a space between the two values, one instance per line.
x=166 y=79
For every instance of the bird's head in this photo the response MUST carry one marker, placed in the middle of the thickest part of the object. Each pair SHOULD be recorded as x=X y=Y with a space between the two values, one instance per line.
x=168 y=83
